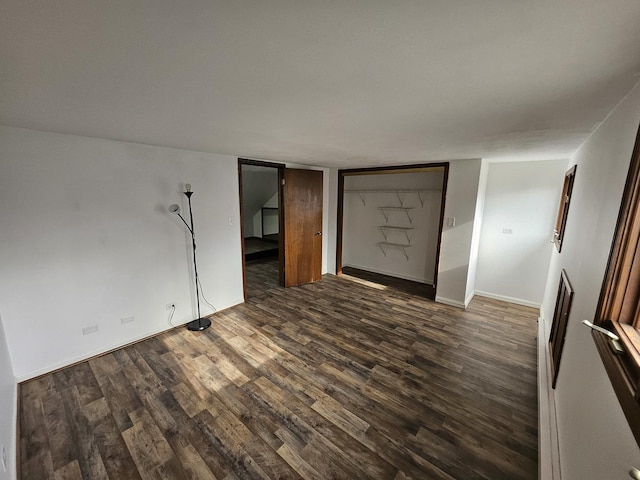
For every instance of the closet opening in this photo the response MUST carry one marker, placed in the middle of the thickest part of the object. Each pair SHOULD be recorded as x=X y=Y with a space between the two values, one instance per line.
x=390 y=225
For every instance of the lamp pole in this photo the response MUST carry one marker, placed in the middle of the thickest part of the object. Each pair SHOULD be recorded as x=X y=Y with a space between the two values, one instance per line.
x=200 y=323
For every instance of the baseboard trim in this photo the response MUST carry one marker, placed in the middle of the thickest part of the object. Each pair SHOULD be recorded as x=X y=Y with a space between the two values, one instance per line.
x=467 y=300
x=504 y=298
x=98 y=353
x=548 y=445
x=448 y=301
x=14 y=467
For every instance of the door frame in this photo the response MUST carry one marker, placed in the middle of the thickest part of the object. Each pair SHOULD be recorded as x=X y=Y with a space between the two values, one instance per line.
x=280 y=167
x=419 y=167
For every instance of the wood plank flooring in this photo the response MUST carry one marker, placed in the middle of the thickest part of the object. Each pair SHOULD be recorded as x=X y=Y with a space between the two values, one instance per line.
x=407 y=286
x=342 y=379
x=255 y=248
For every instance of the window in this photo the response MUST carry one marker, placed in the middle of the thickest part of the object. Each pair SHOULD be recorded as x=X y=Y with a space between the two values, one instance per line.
x=563 y=209
x=619 y=308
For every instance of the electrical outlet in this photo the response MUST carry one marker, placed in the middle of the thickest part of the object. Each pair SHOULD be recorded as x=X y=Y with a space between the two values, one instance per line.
x=4 y=458
x=451 y=221
x=171 y=305
x=89 y=329
x=127 y=319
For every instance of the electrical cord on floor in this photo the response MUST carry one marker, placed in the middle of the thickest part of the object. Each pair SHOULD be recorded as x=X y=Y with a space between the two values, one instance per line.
x=173 y=307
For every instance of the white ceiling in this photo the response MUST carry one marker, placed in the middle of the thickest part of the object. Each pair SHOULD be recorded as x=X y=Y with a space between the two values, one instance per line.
x=340 y=83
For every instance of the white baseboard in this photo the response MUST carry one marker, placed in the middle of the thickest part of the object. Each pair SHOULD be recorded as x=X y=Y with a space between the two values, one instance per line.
x=12 y=459
x=467 y=300
x=94 y=353
x=548 y=447
x=448 y=301
x=151 y=333
x=504 y=298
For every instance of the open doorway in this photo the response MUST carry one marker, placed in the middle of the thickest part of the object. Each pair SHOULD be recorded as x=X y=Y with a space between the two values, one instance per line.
x=280 y=224
x=390 y=225
x=261 y=225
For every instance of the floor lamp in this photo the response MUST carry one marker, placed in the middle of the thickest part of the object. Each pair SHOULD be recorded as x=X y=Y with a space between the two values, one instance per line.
x=200 y=323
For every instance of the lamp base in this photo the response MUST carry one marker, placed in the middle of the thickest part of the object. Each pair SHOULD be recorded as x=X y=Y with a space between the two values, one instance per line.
x=199 y=324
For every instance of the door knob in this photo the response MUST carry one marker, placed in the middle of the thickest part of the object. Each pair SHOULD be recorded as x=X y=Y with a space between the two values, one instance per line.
x=318 y=234
x=634 y=473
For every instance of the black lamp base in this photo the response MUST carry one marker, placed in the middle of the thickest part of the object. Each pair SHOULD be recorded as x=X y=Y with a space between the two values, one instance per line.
x=198 y=325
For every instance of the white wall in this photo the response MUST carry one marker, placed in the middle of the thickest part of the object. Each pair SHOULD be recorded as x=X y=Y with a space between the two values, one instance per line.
x=8 y=415
x=475 y=234
x=86 y=239
x=272 y=202
x=455 y=248
x=362 y=221
x=595 y=440
x=270 y=220
x=521 y=197
x=331 y=218
x=259 y=186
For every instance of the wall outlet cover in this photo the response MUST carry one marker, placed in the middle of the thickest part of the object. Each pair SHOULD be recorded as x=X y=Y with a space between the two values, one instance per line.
x=89 y=329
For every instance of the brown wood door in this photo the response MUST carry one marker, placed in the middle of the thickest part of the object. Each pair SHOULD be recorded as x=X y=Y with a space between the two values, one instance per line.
x=302 y=208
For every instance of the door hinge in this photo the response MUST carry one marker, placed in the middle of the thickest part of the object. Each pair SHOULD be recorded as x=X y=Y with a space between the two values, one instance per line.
x=282 y=182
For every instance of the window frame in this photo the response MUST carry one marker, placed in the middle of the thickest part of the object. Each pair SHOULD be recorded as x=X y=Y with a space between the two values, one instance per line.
x=564 y=299
x=618 y=308
x=563 y=208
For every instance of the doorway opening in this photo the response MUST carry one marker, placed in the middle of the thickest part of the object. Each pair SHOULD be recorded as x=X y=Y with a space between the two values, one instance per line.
x=261 y=224
x=390 y=224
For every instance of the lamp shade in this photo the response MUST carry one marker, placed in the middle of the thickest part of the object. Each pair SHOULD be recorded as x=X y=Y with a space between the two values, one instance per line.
x=174 y=208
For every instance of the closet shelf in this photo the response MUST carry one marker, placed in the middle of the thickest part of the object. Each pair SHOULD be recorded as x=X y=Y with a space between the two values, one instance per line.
x=405 y=230
x=400 y=246
x=396 y=208
x=397 y=191
x=384 y=211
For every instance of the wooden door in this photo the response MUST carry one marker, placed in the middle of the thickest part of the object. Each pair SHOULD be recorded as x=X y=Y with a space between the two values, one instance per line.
x=302 y=208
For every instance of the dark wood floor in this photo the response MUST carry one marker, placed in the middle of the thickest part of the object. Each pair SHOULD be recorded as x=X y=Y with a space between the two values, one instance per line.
x=406 y=286
x=255 y=248
x=340 y=379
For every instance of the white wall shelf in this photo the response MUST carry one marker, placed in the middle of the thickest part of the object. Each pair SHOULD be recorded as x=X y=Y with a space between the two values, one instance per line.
x=385 y=228
x=397 y=191
x=386 y=210
x=385 y=214
x=398 y=246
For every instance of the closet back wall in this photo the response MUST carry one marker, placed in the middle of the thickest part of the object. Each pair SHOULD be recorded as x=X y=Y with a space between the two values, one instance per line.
x=418 y=224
